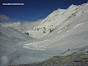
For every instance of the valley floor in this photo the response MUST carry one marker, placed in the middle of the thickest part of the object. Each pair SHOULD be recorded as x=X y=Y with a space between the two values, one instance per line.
x=74 y=59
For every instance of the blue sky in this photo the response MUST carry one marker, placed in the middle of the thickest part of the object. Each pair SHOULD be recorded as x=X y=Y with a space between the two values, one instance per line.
x=33 y=10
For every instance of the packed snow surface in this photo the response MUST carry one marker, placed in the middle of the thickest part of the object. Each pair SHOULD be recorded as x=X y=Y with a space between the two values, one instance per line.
x=63 y=29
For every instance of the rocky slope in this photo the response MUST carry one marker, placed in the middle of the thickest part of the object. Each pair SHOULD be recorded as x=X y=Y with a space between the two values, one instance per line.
x=79 y=58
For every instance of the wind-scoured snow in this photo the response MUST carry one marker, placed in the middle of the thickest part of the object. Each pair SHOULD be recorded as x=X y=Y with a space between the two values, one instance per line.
x=63 y=32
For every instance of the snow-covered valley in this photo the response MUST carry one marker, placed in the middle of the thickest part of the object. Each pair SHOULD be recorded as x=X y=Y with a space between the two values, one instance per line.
x=63 y=32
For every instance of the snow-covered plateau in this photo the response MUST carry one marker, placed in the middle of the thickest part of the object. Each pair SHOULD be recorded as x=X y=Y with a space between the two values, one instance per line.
x=61 y=33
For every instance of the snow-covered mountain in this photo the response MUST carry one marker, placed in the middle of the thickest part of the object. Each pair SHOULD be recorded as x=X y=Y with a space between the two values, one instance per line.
x=63 y=32
x=11 y=33
x=62 y=29
x=22 y=26
x=59 y=20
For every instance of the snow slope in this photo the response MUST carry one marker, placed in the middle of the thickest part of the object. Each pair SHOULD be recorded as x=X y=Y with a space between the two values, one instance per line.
x=57 y=20
x=63 y=32
x=9 y=38
x=60 y=31
x=15 y=25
